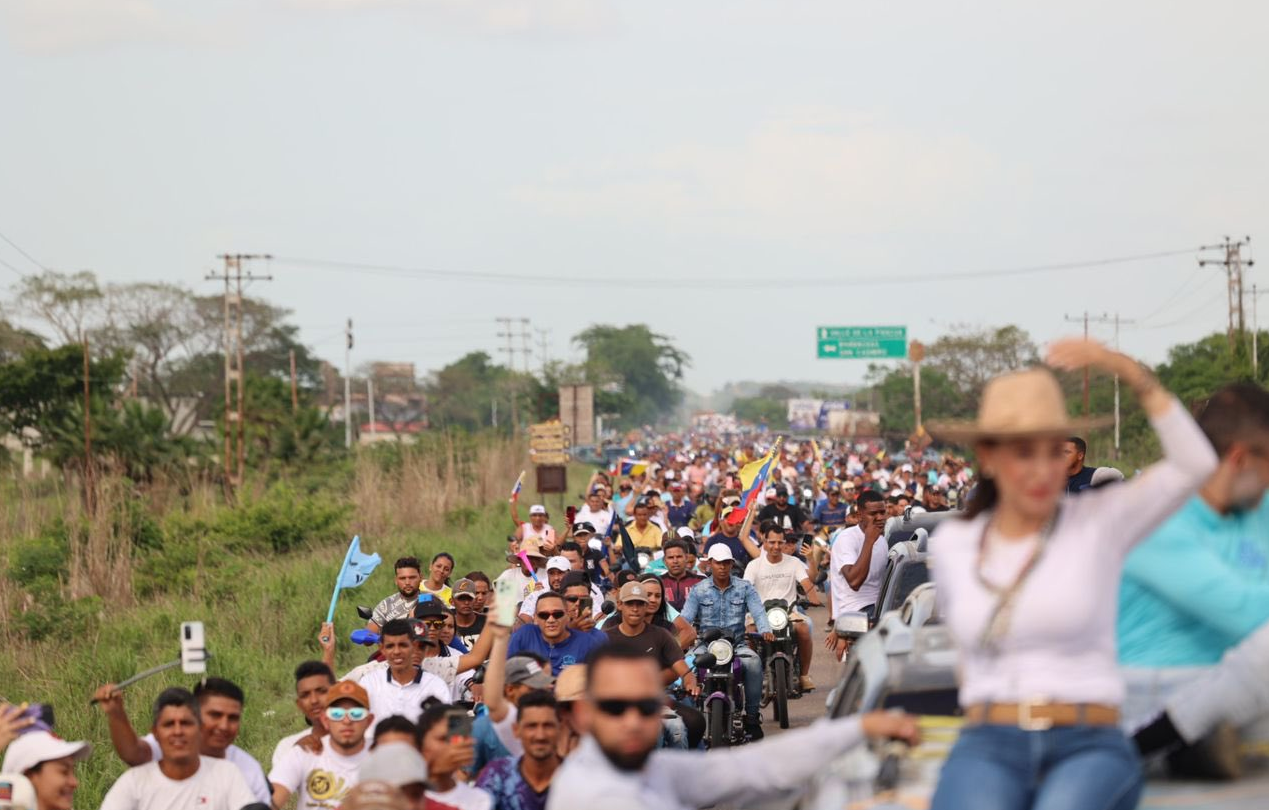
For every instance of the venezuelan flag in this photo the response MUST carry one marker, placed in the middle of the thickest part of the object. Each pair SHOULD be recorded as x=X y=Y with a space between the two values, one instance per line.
x=753 y=477
x=630 y=466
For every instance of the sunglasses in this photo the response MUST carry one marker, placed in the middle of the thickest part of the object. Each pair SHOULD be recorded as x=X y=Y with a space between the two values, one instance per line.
x=355 y=713
x=573 y=598
x=646 y=707
x=544 y=615
x=432 y=622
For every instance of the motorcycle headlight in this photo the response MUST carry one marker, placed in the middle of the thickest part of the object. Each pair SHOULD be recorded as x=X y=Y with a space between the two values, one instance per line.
x=721 y=650
x=778 y=618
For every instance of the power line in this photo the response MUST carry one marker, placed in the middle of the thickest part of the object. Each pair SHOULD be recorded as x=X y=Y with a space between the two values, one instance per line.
x=19 y=249
x=783 y=282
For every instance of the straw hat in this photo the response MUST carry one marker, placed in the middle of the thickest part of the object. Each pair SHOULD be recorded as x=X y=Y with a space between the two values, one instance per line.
x=1018 y=405
x=530 y=546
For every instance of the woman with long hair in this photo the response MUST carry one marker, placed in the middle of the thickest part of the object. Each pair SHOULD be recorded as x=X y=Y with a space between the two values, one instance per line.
x=1028 y=582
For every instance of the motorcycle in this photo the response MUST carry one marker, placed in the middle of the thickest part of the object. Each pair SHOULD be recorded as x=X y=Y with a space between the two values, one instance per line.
x=722 y=699
x=781 y=664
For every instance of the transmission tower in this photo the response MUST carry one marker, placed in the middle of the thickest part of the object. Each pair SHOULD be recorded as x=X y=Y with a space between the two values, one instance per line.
x=1233 y=263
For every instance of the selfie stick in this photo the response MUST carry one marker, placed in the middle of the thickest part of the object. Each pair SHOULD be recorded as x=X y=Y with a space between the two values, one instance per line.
x=140 y=676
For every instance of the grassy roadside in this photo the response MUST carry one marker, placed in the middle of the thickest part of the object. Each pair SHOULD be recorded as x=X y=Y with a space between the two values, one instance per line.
x=256 y=633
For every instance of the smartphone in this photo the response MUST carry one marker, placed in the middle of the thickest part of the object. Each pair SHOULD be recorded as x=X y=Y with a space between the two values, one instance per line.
x=507 y=599
x=458 y=724
x=193 y=648
x=585 y=607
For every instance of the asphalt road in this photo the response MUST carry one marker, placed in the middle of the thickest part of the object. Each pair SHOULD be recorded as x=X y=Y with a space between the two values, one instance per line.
x=824 y=671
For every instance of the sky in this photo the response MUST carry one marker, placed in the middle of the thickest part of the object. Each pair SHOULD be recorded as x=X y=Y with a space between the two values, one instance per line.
x=733 y=174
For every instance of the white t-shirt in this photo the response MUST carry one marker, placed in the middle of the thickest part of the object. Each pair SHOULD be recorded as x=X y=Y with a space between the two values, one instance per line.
x=523 y=582
x=506 y=733
x=601 y=520
x=463 y=797
x=848 y=546
x=444 y=667
x=216 y=785
x=251 y=771
x=776 y=580
x=387 y=697
x=530 y=603
x=319 y=781
x=286 y=744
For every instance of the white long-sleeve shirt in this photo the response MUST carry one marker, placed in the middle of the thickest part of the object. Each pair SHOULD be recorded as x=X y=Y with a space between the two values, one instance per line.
x=683 y=780
x=1060 y=645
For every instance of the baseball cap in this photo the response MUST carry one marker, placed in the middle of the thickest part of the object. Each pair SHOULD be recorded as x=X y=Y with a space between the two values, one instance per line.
x=465 y=587
x=583 y=527
x=849 y=485
x=633 y=592
x=719 y=552
x=571 y=685
x=347 y=690
x=595 y=544
x=429 y=605
x=17 y=792
x=396 y=763
x=685 y=532
x=832 y=486
x=669 y=475
x=34 y=747
x=537 y=509
x=676 y=485
x=771 y=492
x=559 y=564
x=781 y=490
x=375 y=796
x=522 y=669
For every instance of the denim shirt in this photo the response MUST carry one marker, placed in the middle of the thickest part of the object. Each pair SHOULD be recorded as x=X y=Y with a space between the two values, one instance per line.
x=709 y=607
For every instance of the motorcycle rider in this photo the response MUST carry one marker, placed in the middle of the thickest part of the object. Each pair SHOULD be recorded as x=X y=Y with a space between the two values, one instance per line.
x=643 y=533
x=713 y=605
x=789 y=516
x=776 y=576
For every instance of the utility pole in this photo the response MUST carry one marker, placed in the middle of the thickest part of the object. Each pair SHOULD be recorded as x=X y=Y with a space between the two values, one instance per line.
x=525 y=351
x=235 y=459
x=510 y=351
x=1233 y=264
x=1076 y=320
x=1255 y=334
x=348 y=344
x=90 y=499
x=1117 y=321
x=295 y=388
x=370 y=400
x=543 y=335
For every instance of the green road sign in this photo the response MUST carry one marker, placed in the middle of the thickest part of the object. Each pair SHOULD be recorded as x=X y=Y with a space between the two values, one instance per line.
x=862 y=342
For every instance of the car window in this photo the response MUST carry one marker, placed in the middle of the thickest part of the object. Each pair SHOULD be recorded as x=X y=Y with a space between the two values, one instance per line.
x=940 y=702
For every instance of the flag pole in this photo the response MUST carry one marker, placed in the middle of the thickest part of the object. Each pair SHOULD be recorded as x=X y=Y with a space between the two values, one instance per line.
x=339 y=581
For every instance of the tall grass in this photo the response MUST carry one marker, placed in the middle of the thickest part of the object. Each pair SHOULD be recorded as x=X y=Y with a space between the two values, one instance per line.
x=261 y=609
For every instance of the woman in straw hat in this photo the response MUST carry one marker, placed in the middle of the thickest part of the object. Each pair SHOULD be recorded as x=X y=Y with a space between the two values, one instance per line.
x=1028 y=582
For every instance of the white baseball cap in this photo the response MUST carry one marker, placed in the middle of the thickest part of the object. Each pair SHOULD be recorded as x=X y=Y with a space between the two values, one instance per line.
x=719 y=552
x=596 y=544
x=34 y=747
x=398 y=764
x=537 y=509
x=16 y=792
x=686 y=533
x=559 y=564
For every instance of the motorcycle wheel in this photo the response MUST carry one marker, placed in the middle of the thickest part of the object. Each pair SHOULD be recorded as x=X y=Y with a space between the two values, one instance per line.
x=719 y=725
x=780 y=692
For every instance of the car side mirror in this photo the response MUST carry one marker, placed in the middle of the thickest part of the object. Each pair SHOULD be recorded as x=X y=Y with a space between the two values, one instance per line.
x=706 y=661
x=851 y=625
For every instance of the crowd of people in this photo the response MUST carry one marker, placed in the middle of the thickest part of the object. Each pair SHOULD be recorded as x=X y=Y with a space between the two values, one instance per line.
x=564 y=680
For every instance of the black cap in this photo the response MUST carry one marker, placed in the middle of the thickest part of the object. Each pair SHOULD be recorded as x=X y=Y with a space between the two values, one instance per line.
x=584 y=527
x=781 y=489
x=429 y=605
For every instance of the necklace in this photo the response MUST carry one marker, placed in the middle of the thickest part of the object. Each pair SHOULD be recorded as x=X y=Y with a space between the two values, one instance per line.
x=1002 y=614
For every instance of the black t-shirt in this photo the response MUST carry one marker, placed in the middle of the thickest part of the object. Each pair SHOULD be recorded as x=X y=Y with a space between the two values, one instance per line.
x=790 y=517
x=1081 y=481
x=468 y=635
x=652 y=640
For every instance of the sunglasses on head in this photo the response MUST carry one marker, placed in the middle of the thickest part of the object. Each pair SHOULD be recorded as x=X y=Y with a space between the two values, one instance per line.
x=353 y=713
x=616 y=707
x=550 y=614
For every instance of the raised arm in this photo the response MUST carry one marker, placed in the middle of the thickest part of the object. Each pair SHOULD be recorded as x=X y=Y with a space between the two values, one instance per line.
x=130 y=748
x=1131 y=510
x=496 y=672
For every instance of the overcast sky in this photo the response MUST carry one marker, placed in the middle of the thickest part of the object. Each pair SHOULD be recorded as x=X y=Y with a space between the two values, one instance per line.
x=710 y=154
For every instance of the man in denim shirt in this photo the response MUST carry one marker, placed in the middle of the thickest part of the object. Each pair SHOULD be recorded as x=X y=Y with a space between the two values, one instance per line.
x=722 y=602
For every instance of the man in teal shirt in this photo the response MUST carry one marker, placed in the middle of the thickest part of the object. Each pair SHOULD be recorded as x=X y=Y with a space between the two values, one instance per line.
x=1199 y=586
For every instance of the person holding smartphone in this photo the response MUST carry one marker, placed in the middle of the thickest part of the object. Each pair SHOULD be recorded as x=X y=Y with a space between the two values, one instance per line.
x=449 y=747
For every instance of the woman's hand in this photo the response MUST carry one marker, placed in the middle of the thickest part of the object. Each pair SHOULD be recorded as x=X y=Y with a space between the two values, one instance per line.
x=1072 y=354
x=891 y=725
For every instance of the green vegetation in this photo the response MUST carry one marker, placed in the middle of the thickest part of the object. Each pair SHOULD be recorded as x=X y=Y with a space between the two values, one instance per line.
x=90 y=599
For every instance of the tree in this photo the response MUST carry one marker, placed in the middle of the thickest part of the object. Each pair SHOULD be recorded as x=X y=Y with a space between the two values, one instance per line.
x=635 y=371
x=774 y=413
x=70 y=304
x=940 y=399
x=45 y=387
x=970 y=357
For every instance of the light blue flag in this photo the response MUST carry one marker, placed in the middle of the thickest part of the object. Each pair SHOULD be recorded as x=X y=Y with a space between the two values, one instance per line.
x=356 y=569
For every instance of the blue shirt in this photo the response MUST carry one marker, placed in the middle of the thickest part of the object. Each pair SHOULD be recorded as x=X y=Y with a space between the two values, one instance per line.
x=826 y=515
x=738 y=552
x=679 y=515
x=709 y=607
x=572 y=650
x=509 y=790
x=1195 y=587
x=488 y=746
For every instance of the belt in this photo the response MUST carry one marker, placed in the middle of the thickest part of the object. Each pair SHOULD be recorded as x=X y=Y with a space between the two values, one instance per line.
x=1035 y=716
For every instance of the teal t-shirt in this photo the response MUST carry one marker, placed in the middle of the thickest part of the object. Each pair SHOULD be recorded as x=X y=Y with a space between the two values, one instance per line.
x=1195 y=588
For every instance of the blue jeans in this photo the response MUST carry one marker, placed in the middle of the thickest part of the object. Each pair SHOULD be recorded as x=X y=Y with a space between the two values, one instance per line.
x=1067 y=768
